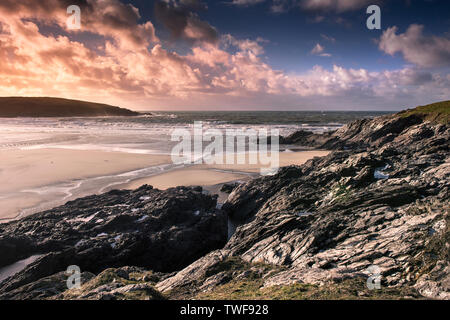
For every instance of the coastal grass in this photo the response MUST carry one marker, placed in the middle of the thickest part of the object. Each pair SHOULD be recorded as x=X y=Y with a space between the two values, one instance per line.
x=230 y=270
x=435 y=112
x=240 y=280
x=342 y=193
x=235 y=265
x=351 y=289
x=247 y=283
x=111 y=278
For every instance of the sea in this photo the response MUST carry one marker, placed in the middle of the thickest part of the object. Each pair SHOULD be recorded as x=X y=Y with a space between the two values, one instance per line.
x=151 y=131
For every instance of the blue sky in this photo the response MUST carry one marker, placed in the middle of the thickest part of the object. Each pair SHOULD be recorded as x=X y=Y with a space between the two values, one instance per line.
x=293 y=33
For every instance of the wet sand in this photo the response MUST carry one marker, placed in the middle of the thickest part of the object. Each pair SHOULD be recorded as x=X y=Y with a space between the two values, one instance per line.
x=209 y=175
x=23 y=170
x=285 y=159
x=187 y=177
x=28 y=176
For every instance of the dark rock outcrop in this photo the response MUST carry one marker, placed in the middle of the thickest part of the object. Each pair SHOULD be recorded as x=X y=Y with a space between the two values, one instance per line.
x=229 y=187
x=43 y=287
x=125 y=283
x=384 y=203
x=111 y=284
x=356 y=135
x=159 y=230
x=380 y=203
x=375 y=132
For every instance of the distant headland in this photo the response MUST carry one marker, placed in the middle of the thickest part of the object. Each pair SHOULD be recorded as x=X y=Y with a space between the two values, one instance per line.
x=11 y=107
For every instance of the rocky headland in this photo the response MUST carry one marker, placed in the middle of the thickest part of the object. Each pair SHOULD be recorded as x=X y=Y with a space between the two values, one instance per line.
x=377 y=206
x=11 y=107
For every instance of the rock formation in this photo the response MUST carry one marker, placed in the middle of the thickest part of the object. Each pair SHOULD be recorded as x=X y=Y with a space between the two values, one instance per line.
x=159 y=230
x=383 y=203
x=378 y=207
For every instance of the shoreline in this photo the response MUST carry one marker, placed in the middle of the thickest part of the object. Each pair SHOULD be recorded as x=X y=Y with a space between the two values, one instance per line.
x=332 y=221
x=35 y=177
x=79 y=173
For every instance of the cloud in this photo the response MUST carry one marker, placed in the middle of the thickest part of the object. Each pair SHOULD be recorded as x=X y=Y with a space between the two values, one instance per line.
x=110 y=18
x=328 y=38
x=141 y=71
x=252 y=47
x=415 y=47
x=319 y=50
x=337 y=6
x=182 y=22
x=246 y=2
x=277 y=6
x=334 y=5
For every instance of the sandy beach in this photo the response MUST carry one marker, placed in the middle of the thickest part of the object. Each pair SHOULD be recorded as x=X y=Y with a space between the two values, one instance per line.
x=208 y=175
x=22 y=171
x=285 y=159
x=38 y=179
x=187 y=177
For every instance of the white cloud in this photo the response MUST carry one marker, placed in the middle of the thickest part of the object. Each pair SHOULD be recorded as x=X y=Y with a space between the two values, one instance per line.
x=424 y=51
x=319 y=50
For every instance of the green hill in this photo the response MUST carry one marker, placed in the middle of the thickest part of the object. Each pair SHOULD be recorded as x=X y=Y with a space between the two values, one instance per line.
x=57 y=107
x=437 y=112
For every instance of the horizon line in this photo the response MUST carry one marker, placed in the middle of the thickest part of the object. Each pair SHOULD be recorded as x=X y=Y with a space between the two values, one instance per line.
x=218 y=109
x=260 y=110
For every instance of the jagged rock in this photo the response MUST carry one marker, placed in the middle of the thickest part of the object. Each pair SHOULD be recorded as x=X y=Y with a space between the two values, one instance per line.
x=308 y=138
x=126 y=283
x=334 y=214
x=358 y=134
x=436 y=284
x=229 y=187
x=43 y=288
x=381 y=204
x=311 y=275
x=194 y=273
x=213 y=270
x=159 y=230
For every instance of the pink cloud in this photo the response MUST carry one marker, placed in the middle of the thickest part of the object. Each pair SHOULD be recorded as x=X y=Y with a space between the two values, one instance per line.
x=107 y=17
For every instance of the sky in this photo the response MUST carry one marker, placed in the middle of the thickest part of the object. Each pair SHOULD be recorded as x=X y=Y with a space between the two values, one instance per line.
x=228 y=54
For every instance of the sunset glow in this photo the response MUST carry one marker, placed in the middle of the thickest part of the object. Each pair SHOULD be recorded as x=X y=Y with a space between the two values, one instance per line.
x=127 y=53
